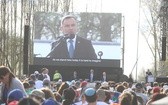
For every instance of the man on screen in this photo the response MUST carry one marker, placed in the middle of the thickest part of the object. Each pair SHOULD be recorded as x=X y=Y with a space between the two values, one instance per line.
x=70 y=45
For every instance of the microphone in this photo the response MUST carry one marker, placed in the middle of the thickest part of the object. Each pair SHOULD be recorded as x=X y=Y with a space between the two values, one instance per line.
x=60 y=39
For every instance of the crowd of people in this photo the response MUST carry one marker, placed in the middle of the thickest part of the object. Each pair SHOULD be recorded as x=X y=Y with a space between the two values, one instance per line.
x=38 y=89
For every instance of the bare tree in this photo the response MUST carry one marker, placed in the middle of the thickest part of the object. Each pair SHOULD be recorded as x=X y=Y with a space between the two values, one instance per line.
x=151 y=28
x=14 y=14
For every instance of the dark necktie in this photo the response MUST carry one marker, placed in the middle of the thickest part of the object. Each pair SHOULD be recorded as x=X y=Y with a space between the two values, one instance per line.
x=71 y=48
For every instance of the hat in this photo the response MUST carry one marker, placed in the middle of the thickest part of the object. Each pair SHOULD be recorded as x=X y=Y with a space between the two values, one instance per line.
x=15 y=94
x=104 y=84
x=148 y=88
x=90 y=92
x=83 y=84
x=38 y=93
x=50 y=101
x=138 y=86
x=46 y=82
x=36 y=72
x=156 y=89
x=13 y=103
x=59 y=81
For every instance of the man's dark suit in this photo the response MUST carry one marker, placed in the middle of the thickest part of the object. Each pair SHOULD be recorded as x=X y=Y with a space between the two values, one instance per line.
x=83 y=50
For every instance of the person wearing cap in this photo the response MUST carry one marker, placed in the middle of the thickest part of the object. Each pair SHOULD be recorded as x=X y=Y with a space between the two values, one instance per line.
x=57 y=76
x=14 y=96
x=91 y=96
x=28 y=101
x=38 y=95
x=39 y=82
x=139 y=92
x=9 y=83
x=50 y=101
x=46 y=83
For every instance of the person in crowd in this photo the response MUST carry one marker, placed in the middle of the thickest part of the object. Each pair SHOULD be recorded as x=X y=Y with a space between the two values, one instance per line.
x=57 y=76
x=70 y=45
x=57 y=97
x=104 y=76
x=120 y=88
x=97 y=85
x=104 y=85
x=156 y=90
x=48 y=93
x=45 y=72
x=91 y=96
x=148 y=73
x=14 y=96
x=9 y=83
x=112 y=85
x=77 y=84
x=38 y=94
x=155 y=97
x=125 y=98
x=47 y=83
x=134 y=98
x=32 y=77
x=50 y=101
x=101 y=96
x=125 y=84
x=83 y=86
x=69 y=96
x=27 y=87
x=139 y=92
x=39 y=82
x=91 y=75
x=75 y=76
x=32 y=85
x=82 y=99
x=130 y=79
x=108 y=96
x=155 y=84
x=63 y=86
x=28 y=101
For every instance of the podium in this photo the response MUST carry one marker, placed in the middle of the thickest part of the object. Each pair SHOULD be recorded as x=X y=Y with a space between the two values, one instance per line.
x=150 y=78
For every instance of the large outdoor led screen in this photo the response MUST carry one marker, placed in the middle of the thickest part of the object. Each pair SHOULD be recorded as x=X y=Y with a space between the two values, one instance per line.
x=101 y=30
